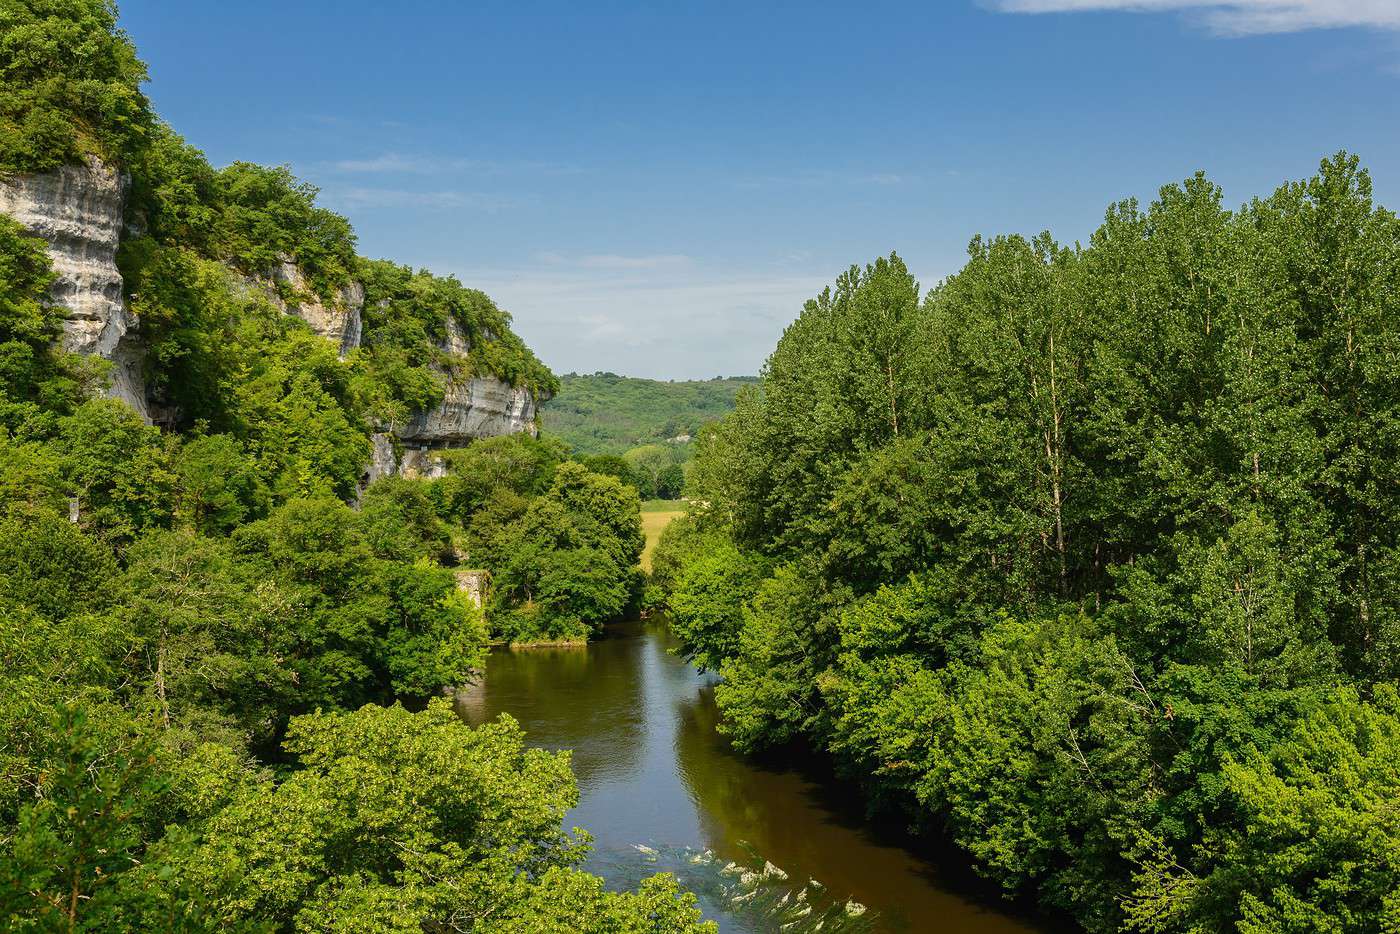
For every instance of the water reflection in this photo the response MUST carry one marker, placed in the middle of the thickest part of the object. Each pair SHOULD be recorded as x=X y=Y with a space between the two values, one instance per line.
x=567 y=697
x=653 y=771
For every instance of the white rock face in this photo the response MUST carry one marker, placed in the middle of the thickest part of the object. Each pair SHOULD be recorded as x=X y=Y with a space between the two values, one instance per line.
x=475 y=584
x=475 y=407
x=77 y=211
x=422 y=463
x=479 y=407
x=339 y=323
x=408 y=460
x=383 y=462
x=472 y=408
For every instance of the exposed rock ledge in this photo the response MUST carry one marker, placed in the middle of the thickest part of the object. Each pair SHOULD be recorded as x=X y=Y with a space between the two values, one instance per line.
x=479 y=407
x=77 y=211
x=339 y=323
x=472 y=408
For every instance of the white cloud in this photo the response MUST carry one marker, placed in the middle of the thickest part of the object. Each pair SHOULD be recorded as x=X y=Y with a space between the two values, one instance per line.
x=614 y=261
x=678 y=319
x=1236 y=17
x=821 y=179
x=395 y=163
x=389 y=162
x=356 y=198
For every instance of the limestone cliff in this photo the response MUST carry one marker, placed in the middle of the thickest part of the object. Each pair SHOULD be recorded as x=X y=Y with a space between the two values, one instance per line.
x=339 y=322
x=472 y=408
x=77 y=211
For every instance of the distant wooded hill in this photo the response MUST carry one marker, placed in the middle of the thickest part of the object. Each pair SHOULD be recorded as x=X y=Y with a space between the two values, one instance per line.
x=604 y=413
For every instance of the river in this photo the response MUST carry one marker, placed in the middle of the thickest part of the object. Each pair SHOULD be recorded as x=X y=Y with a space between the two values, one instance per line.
x=660 y=789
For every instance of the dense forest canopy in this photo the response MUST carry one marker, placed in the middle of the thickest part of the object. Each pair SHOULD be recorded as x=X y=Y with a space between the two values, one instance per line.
x=1089 y=556
x=221 y=651
x=70 y=85
x=603 y=413
x=637 y=430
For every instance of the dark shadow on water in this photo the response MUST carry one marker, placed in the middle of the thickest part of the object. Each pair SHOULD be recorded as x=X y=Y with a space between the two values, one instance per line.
x=843 y=803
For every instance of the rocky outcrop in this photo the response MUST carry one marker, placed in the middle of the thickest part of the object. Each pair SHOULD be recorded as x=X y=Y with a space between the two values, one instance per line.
x=77 y=211
x=475 y=584
x=472 y=407
x=475 y=407
x=383 y=459
x=339 y=323
x=392 y=458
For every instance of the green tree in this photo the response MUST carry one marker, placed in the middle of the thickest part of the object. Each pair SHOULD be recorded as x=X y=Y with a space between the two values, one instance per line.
x=118 y=469
x=70 y=85
x=707 y=603
x=372 y=832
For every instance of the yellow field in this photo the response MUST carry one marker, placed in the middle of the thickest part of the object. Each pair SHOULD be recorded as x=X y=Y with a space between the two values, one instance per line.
x=653 y=523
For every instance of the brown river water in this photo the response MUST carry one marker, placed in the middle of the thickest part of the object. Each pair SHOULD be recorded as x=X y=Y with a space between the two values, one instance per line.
x=659 y=787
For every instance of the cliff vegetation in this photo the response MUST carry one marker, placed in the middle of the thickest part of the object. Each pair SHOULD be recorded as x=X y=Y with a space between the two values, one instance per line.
x=222 y=651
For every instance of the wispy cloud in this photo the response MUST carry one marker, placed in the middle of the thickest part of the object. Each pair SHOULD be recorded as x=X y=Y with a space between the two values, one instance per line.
x=362 y=197
x=822 y=179
x=617 y=261
x=388 y=163
x=676 y=318
x=614 y=261
x=1236 y=17
x=396 y=163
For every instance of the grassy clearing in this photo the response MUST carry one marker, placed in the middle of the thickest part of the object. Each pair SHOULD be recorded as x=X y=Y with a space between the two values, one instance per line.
x=654 y=522
x=663 y=505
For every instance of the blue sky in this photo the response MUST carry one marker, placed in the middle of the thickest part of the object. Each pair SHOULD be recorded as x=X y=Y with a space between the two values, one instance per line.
x=655 y=188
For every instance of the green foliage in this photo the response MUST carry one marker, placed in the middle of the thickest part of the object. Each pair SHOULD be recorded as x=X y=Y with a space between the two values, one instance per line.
x=35 y=376
x=135 y=692
x=218 y=244
x=707 y=603
x=118 y=469
x=90 y=817
x=611 y=465
x=1087 y=557
x=423 y=331
x=188 y=610
x=770 y=691
x=519 y=464
x=564 y=562
x=49 y=567
x=604 y=413
x=251 y=217
x=220 y=485
x=391 y=821
x=670 y=482
x=1316 y=848
x=267 y=216
x=682 y=541
x=70 y=85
